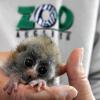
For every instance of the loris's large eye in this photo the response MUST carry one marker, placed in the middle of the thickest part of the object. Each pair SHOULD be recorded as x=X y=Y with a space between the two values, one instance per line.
x=42 y=68
x=28 y=62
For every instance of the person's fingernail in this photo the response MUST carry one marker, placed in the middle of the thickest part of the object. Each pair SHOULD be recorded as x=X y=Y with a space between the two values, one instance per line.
x=76 y=57
x=81 y=53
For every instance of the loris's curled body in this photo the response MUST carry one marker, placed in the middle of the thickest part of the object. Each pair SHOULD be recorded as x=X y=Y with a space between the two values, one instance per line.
x=34 y=60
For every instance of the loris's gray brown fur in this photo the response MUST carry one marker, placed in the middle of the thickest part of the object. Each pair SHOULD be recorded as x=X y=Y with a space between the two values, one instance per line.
x=35 y=58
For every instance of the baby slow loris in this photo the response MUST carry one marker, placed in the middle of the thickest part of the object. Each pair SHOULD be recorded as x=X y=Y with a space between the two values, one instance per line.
x=35 y=61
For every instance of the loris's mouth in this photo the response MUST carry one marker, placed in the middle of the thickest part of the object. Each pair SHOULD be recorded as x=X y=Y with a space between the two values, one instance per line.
x=27 y=79
x=30 y=81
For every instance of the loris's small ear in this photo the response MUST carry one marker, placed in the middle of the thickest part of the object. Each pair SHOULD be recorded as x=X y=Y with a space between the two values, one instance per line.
x=21 y=47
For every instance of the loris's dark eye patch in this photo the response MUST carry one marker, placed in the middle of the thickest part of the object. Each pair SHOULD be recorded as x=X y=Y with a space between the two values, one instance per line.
x=42 y=68
x=29 y=62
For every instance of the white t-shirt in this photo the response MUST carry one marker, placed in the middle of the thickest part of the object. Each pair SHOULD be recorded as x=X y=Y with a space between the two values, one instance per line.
x=71 y=24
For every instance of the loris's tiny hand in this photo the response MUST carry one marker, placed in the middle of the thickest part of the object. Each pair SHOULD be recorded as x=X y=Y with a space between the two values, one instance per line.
x=38 y=85
x=12 y=84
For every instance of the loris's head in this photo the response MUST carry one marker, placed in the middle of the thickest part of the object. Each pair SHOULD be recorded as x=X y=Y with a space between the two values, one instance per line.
x=37 y=57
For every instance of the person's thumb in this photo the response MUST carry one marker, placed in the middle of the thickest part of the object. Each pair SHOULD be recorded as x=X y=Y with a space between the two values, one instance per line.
x=77 y=76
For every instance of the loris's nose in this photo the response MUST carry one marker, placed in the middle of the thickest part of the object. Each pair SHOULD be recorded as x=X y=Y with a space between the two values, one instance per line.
x=32 y=74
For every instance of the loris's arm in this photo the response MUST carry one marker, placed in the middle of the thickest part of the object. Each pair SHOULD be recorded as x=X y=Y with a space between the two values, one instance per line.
x=12 y=84
x=14 y=78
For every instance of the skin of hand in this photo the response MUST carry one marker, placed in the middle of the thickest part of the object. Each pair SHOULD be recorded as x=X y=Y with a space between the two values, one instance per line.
x=77 y=78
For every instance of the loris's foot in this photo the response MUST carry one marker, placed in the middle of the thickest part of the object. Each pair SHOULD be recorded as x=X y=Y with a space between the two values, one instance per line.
x=12 y=85
x=38 y=84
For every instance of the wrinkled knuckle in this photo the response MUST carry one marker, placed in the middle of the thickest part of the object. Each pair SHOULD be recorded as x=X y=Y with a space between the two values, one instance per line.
x=73 y=92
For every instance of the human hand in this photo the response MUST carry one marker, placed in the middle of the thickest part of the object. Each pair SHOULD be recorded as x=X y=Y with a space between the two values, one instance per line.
x=76 y=75
x=26 y=92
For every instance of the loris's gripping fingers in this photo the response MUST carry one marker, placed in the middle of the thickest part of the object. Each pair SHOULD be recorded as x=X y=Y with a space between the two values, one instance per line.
x=38 y=84
x=34 y=83
x=15 y=86
x=6 y=86
x=41 y=85
x=10 y=86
